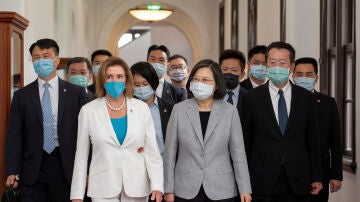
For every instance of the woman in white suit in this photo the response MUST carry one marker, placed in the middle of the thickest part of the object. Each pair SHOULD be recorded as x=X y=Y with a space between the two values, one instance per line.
x=204 y=158
x=126 y=164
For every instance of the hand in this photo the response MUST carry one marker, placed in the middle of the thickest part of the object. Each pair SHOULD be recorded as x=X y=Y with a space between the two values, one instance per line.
x=245 y=197
x=335 y=185
x=156 y=195
x=169 y=197
x=316 y=188
x=12 y=182
x=76 y=200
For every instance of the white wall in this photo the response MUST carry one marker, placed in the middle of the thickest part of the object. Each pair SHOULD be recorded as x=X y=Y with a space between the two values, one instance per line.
x=173 y=39
x=136 y=51
x=268 y=21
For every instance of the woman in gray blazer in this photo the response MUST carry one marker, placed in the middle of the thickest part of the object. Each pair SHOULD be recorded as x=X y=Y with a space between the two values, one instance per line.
x=204 y=158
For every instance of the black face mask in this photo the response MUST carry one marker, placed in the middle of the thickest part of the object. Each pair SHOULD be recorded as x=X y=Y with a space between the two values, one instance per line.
x=231 y=80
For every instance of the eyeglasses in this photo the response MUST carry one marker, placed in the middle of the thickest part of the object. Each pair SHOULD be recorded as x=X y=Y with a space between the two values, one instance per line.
x=176 y=67
x=202 y=80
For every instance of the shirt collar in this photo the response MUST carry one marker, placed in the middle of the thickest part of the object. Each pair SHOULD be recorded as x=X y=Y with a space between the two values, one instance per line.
x=156 y=102
x=53 y=82
x=162 y=79
x=276 y=89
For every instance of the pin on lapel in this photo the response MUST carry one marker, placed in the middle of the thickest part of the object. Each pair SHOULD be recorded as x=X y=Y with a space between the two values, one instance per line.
x=165 y=110
x=168 y=91
x=65 y=90
x=318 y=100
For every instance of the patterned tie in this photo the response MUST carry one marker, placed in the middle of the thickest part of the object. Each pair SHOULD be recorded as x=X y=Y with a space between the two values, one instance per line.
x=48 y=121
x=230 y=94
x=282 y=112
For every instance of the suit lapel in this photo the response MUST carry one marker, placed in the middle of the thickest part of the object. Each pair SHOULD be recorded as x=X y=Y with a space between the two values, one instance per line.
x=293 y=107
x=164 y=113
x=103 y=116
x=214 y=119
x=193 y=114
x=269 y=106
x=34 y=94
x=63 y=91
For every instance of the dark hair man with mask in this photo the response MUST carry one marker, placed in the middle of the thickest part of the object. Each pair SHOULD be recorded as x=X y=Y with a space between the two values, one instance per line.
x=279 y=123
x=42 y=130
x=97 y=58
x=257 y=68
x=178 y=71
x=158 y=57
x=306 y=75
x=79 y=72
x=232 y=63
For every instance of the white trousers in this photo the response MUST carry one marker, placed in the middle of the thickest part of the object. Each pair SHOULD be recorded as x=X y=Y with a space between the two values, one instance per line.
x=121 y=198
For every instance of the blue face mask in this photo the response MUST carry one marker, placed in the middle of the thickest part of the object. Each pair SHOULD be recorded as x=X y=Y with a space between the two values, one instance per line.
x=114 y=88
x=305 y=82
x=96 y=69
x=44 y=67
x=78 y=80
x=258 y=71
x=159 y=68
x=143 y=93
x=278 y=75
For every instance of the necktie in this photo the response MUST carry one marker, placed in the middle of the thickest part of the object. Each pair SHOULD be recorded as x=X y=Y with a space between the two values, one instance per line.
x=230 y=94
x=282 y=112
x=48 y=121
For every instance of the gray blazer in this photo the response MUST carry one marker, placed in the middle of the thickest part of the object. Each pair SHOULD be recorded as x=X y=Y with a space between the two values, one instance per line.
x=217 y=162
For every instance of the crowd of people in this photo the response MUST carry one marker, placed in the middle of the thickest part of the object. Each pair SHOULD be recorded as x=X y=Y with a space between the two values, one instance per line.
x=162 y=131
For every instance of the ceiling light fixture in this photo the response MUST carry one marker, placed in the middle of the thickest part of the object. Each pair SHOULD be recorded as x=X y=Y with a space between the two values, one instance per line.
x=151 y=13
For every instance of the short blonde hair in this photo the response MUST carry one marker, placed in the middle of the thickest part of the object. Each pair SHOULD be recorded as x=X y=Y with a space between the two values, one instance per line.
x=101 y=78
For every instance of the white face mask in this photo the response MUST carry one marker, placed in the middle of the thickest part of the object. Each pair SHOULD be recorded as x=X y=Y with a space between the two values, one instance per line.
x=178 y=74
x=201 y=91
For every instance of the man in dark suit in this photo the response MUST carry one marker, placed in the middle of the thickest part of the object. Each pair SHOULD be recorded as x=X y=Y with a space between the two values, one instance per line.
x=42 y=130
x=79 y=71
x=305 y=75
x=281 y=135
x=232 y=63
x=97 y=58
x=257 y=68
x=159 y=56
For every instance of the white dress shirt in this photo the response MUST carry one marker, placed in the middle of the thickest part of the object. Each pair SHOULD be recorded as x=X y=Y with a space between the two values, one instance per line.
x=54 y=96
x=160 y=87
x=275 y=97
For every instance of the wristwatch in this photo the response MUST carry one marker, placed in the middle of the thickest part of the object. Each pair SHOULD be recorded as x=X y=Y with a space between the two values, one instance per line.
x=17 y=177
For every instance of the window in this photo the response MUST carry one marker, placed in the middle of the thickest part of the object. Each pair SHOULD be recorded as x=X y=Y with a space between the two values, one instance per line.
x=337 y=68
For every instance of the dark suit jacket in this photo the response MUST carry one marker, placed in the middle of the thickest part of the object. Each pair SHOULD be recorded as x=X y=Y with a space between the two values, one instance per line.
x=330 y=138
x=267 y=150
x=242 y=92
x=24 y=140
x=173 y=94
x=165 y=109
x=92 y=88
x=246 y=84
x=91 y=96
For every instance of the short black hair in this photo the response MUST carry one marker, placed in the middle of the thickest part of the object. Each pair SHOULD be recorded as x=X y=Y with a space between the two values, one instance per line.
x=78 y=60
x=45 y=44
x=100 y=52
x=235 y=54
x=147 y=71
x=307 y=60
x=219 y=93
x=256 y=50
x=282 y=45
x=173 y=57
x=157 y=47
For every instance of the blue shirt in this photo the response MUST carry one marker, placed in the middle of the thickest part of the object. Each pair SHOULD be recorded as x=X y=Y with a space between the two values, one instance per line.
x=155 y=113
x=120 y=128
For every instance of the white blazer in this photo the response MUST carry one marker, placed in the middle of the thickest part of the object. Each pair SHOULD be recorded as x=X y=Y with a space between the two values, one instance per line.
x=136 y=165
